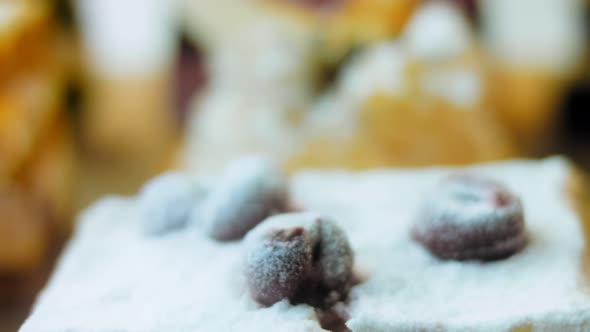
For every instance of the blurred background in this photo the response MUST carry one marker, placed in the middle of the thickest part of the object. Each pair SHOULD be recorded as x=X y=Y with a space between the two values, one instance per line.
x=96 y=97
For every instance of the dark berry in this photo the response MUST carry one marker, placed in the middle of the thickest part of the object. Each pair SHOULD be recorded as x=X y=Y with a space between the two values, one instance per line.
x=167 y=202
x=278 y=264
x=250 y=190
x=468 y=217
x=300 y=257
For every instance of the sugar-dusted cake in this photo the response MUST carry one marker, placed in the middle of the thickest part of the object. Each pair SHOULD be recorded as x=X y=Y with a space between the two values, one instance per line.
x=495 y=247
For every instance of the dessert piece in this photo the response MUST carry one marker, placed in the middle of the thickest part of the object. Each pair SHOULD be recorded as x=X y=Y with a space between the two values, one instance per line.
x=112 y=277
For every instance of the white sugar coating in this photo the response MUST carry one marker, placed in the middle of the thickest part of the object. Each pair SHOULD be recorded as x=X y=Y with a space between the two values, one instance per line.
x=249 y=189
x=437 y=30
x=167 y=202
x=113 y=279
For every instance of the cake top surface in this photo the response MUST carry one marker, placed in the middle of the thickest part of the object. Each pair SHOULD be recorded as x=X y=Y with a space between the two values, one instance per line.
x=113 y=278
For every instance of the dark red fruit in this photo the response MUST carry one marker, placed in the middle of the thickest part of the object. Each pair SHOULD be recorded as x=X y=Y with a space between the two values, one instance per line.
x=278 y=264
x=469 y=217
x=250 y=190
x=300 y=257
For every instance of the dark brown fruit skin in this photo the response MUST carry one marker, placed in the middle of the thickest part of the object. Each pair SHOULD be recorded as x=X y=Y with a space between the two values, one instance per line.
x=330 y=279
x=251 y=190
x=237 y=218
x=451 y=235
x=292 y=252
x=316 y=270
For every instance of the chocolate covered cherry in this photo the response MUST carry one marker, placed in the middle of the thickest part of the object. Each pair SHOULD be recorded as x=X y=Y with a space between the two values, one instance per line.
x=301 y=257
x=250 y=190
x=469 y=217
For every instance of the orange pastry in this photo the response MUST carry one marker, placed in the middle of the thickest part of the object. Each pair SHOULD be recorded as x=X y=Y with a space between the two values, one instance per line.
x=129 y=71
x=24 y=231
x=35 y=151
x=343 y=24
x=420 y=101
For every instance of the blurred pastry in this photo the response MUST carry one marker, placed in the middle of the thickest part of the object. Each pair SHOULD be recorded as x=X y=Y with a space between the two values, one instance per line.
x=341 y=25
x=262 y=76
x=128 y=66
x=419 y=101
x=24 y=231
x=36 y=151
x=535 y=48
x=50 y=173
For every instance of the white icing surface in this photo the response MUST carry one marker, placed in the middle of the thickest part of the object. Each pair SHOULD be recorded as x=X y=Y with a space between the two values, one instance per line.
x=545 y=33
x=113 y=279
x=438 y=30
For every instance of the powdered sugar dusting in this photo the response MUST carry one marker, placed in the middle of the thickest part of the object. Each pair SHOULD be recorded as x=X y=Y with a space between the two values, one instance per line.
x=113 y=279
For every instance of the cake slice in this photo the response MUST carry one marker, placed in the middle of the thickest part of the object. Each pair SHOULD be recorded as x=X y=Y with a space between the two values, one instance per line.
x=114 y=277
